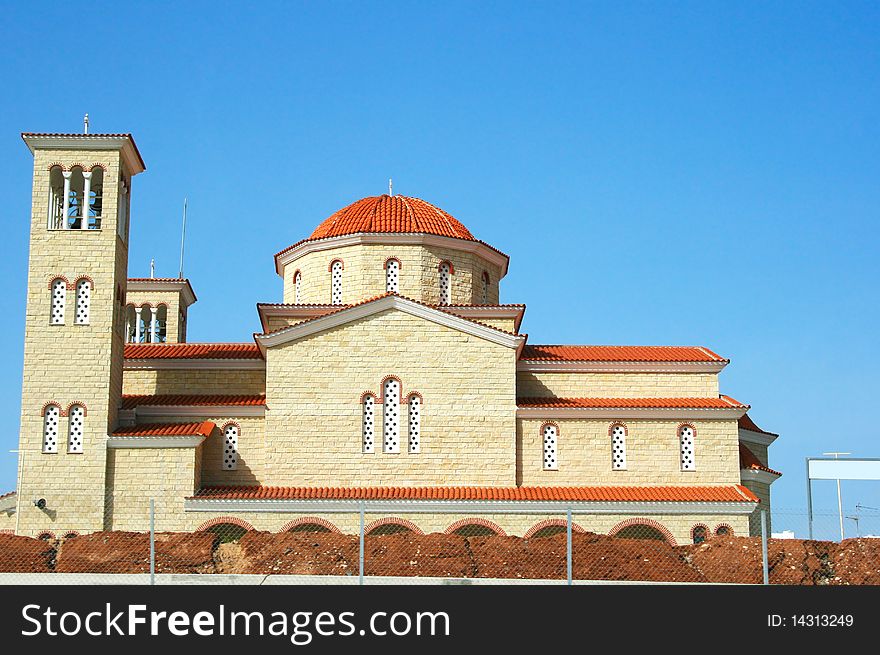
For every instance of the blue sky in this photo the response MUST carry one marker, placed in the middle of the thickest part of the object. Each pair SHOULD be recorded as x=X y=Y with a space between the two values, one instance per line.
x=695 y=173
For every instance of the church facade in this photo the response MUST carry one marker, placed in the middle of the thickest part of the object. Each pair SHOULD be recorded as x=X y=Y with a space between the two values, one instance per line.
x=390 y=372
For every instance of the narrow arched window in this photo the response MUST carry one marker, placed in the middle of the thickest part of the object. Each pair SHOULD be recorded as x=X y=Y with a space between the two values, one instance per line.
x=484 y=288
x=686 y=441
x=130 y=324
x=59 y=298
x=415 y=423
x=699 y=534
x=336 y=282
x=392 y=275
x=51 y=418
x=83 y=301
x=618 y=448
x=391 y=415
x=161 y=331
x=230 y=447
x=550 y=434
x=75 y=428
x=445 y=282
x=368 y=433
x=297 y=287
x=56 y=198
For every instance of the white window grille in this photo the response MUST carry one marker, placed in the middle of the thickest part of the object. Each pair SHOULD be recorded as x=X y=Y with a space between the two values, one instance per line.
x=336 y=283
x=75 y=429
x=445 y=279
x=392 y=273
x=59 y=297
x=686 y=438
x=230 y=447
x=297 y=287
x=415 y=423
x=391 y=416
x=51 y=417
x=369 y=424
x=83 y=300
x=484 y=288
x=618 y=448
x=550 y=435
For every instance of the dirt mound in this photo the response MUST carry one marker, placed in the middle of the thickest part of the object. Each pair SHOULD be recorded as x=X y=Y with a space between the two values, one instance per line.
x=129 y=552
x=739 y=559
x=856 y=561
x=408 y=554
x=26 y=555
x=594 y=557
x=296 y=553
x=600 y=557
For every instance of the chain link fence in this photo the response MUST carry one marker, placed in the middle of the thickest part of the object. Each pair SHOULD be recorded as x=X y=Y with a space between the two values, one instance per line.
x=365 y=547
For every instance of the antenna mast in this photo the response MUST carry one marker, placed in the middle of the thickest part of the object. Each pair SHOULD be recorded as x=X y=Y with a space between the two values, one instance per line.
x=86 y=124
x=182 y=239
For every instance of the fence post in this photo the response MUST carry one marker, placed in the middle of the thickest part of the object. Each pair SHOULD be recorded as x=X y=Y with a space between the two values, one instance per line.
x=152 y=541
x=766 y=564
x=361 y=553
x=568 y=545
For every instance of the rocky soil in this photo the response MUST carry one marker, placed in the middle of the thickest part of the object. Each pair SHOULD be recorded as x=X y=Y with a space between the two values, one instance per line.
x=595 y=557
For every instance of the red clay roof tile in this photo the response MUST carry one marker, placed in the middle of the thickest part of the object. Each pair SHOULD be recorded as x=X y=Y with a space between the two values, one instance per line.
x=192 y=351
x=727 y=493
x=132 y=401
x=394 y=214
x=563 y=353
x=203 y=429
x=748 y=460
x=723 y=402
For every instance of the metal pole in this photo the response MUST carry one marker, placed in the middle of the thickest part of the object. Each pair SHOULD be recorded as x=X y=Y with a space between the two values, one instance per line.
x=766 y=564
x=568 y=545
x=182 y=240
x=361 y=554
x=809 y=500
x=840 y=509
x=152 y=541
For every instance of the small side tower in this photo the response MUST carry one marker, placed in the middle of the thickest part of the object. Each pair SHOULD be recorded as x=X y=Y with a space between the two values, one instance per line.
x=156 y=309
x=75 y=327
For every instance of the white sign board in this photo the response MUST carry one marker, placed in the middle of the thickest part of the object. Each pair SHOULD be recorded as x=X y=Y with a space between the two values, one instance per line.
x=844 y=469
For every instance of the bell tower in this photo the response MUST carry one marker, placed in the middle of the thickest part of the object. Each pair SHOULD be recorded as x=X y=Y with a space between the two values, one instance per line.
x=74 y=328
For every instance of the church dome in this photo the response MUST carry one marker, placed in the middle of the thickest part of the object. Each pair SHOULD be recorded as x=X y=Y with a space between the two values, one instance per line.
x=391 y=214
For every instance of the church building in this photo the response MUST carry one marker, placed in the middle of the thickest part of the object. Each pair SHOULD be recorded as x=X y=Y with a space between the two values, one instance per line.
x=389 y=372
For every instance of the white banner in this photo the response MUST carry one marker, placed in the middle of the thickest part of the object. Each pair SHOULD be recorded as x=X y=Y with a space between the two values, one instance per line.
x=844 y=469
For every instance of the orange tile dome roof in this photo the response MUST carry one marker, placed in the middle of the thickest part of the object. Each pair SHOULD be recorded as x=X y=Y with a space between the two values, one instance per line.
x=393 y=214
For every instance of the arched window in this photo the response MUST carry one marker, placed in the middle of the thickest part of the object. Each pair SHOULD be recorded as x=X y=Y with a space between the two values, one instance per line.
x=142 y=327
x=686 y=440
x=391 y=415
x=392 y=274
x=550 y=433
x=51 y=418
x=336 y=282
x=484 y=287
x=59 y=298
x=75 y=197
x=618 y=447
x=369 y=422
x=415 y=422
x=83 y=300
x=297 y=287
x=723 y=530
x=75 y=428
x=94 y=198
x=56 y=198
x=699 y=534
x=445 y=282
x=130 y=324
x=230 y=447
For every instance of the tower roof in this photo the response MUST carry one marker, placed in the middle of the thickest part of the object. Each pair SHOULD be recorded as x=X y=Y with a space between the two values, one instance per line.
x=391 y=214
x=122 y=142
